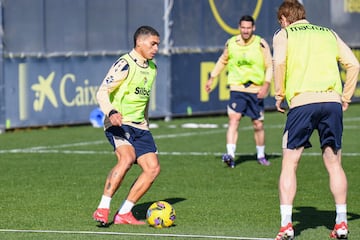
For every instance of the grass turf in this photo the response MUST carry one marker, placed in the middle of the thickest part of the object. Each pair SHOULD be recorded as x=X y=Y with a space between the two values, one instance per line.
x=52 y=180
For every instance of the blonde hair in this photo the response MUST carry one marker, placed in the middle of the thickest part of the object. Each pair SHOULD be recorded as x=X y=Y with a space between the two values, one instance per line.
x=292 y=10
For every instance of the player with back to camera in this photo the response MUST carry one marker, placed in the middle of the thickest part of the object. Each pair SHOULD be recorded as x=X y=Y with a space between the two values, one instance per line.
x=306 y=74
x=249 y=65
x=124 y=97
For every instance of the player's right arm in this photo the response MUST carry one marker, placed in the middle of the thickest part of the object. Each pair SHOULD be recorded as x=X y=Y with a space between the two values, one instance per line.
x=279 y=66
x=219 y=66
x=113 y=79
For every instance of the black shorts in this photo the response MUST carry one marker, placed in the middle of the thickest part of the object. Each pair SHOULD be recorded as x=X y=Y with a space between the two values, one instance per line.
x=248 y=104
x=141 y=140
x=303 y=120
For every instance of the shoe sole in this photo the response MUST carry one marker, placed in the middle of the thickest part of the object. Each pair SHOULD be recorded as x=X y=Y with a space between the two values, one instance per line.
x=342 y=236
x=127 y=223
x=287 y=238
x=122 y=221
x=102 y=223
x=230 y=163
x=264 y=163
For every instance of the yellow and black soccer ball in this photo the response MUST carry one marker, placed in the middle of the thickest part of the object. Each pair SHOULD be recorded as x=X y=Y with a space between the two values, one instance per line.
x=161 y=214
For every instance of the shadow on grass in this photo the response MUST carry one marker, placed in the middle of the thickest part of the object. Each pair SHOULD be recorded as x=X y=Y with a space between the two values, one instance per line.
x=140 y=210
x=252 y=157
x=310 y=217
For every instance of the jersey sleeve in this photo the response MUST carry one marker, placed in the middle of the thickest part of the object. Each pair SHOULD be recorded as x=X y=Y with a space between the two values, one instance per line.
x=221 y=62
x=279 y=63
x=113 y=79
x=267 y=60
x=351 y=65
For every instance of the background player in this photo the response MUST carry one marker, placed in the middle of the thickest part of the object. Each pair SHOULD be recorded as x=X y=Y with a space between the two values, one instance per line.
x=249 y=64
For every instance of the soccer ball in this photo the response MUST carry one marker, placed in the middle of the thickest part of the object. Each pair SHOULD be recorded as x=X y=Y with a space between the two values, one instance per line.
x=160 y=214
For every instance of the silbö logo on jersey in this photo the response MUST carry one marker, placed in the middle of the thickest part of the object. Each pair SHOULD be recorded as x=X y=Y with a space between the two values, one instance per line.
x=142 y=91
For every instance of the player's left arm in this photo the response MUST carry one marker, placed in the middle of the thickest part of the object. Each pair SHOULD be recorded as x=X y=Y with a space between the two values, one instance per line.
x=351 y=65
x=268 y=69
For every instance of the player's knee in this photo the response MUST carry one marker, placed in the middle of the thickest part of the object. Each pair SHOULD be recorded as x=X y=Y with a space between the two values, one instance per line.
x=152 y=173
x=258 y=126
x=125 y=162
x=155 y=171
x=127 y=158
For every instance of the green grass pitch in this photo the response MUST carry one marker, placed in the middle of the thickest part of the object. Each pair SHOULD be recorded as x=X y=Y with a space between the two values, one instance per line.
x=51 y=181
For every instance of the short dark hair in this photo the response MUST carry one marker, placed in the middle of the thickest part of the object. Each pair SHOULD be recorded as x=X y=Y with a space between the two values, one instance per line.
x=247 y=18
x=145 y=30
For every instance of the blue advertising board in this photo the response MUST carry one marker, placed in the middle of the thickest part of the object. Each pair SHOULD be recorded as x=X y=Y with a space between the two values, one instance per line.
x=57 y=52
x=61 y=90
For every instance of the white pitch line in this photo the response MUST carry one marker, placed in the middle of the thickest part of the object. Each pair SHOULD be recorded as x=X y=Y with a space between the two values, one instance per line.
x=89 y=152
x=188 y=134
x=53 y=149
x=132 y=234
x=42 y=149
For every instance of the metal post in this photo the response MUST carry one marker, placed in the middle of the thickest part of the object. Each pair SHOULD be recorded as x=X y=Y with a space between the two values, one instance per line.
x=168 y=4
x=2 y=80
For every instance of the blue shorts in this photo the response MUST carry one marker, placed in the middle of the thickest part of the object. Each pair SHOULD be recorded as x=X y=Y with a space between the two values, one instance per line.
x=142 y=140
x=303 y=120
x=247 y=104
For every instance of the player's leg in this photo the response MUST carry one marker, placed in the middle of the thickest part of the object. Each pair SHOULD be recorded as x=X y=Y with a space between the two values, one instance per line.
x=146 y=153
x=236 y=105
x=330 y=132
x=125 y=154
x=150 y=170
x=337 y=177
x=259 y=133
x=232 y=131
x=231 y=138
x=259 y=137
x=125 y=158
x=287 y=180
x=338 y=188
x=297 y=132
x=287 y=190
x=255 y=110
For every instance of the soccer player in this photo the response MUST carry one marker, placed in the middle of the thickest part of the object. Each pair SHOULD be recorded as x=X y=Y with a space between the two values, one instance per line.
x=249 y=64
x=124 y=97
x=306 y=74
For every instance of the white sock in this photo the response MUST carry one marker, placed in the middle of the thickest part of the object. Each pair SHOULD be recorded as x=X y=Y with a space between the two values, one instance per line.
x=105 y=202
x=286 y=214
x=341 y=215
x=231 y=148
x=260 y=151
x=126 y=207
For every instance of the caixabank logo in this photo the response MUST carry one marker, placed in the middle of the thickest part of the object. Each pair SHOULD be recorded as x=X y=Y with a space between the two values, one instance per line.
x=53 y=90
